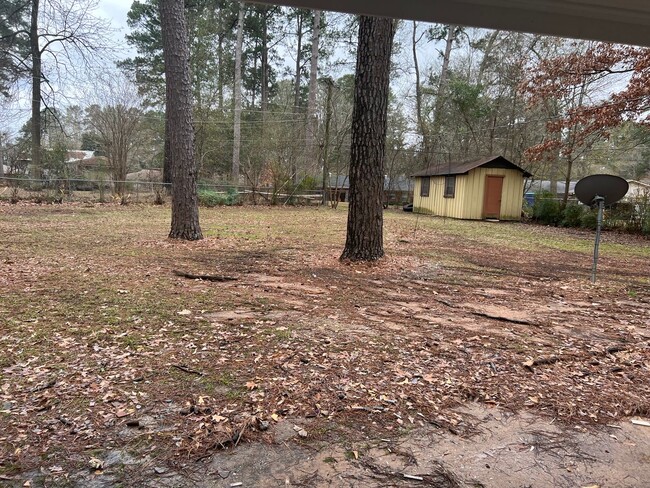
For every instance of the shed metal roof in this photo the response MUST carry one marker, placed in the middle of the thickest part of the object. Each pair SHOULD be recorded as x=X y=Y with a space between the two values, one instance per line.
x=448 y=169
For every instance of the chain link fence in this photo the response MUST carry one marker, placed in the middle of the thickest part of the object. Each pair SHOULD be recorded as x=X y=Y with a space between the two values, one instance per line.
x=59 y=190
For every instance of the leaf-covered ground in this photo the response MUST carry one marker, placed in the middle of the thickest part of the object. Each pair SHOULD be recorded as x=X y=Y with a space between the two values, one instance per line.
x=105 y=345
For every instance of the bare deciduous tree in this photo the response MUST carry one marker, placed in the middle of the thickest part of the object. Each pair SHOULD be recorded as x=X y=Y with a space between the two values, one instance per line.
x=116 y=119
x=64 y=37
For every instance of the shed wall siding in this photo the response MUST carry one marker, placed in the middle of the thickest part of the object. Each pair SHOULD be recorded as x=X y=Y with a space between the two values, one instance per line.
x=436 y=203
x=470 y=191
x=511 y=196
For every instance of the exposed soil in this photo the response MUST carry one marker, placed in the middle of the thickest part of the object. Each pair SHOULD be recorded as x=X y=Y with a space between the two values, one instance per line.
x=109 y=352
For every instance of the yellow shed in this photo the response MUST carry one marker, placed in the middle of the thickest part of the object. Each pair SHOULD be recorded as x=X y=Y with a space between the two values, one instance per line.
x=489 y=188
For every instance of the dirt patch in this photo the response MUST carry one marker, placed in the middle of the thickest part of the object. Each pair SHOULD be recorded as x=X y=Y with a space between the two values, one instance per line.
x=506 y=450
x=106 y=348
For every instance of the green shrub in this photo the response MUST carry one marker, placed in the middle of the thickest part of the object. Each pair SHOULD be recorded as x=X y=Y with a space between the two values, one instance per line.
x=645 y=227
x=621 y=216
x=211 y=198
x=572 y=215
x=547 y=209
x=589 y=219
x=308 y=183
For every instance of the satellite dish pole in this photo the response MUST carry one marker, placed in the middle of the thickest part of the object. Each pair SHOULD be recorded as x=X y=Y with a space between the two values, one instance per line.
x=600 y=201
x=600 y=190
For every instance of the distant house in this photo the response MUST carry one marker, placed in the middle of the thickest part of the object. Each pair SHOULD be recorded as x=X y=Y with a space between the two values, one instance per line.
x=545 y=185
x=637 y=189
x=86 y=161
x=338 y=188
x=488 y=188
x=397 y=190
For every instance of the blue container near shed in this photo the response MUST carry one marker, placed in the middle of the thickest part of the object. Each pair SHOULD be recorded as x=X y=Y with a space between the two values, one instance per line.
x=530 y=198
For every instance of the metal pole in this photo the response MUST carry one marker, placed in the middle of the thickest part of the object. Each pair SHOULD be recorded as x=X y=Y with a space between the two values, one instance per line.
x=599 y=224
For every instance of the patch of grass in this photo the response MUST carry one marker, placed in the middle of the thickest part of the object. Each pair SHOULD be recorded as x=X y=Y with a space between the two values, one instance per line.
x=225 y=379
x=9 y=468
x=130 y=341
x=235 y=394
x=349 y=456
x=282 y=334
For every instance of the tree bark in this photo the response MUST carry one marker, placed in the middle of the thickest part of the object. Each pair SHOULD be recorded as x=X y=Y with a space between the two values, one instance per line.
x=2 y=157
x=296 y=96
x=185 y=210
x=296 y=79
x=444 y=74
x=418 y=99
x=486 y=56
x=36 y=92
x=220 y=69
x=265 y=63
x=326 y=143
x=364 y=240
x=312 y=122
x=237 y=95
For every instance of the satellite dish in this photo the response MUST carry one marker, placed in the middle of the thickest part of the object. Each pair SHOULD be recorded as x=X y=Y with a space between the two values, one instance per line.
x=608 y=187
x=600 y=190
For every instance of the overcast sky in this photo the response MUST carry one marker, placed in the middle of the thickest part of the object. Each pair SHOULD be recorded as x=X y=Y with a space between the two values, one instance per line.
x=116 y=11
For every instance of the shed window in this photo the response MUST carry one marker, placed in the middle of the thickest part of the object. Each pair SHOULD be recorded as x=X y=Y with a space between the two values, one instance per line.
x=450 y=186
x=424 y=186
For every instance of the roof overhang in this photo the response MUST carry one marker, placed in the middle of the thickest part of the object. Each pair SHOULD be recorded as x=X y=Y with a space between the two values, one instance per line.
x=622 y=21
x=462 y=168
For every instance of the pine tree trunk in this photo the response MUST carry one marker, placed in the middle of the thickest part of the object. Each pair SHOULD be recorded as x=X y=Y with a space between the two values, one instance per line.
x=369 y=118
x=296 y=77
x=444 y=74
x=237 y=95
x=296 y=99
x=312 y=121
x=265 y=65
x=2 y=158
x=220 y=69
x=326 y=142
x=418 y=100
x=185 y=210
x=36 y=93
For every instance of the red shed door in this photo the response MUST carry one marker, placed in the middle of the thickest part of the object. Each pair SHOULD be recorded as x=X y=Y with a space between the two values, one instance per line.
x=492 y=200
